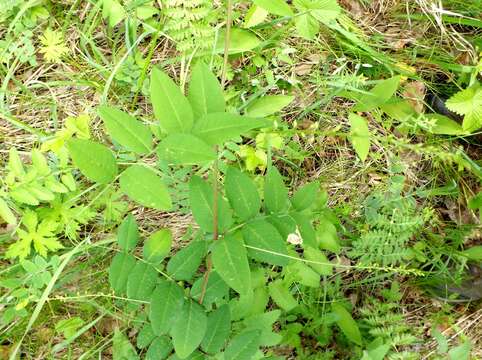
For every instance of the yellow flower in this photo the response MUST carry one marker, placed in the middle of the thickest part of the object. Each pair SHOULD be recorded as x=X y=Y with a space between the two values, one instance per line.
x=53 y=45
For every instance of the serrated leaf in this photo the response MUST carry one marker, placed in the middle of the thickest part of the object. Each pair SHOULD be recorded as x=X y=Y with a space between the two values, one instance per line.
x=276 y=7
x=261 y=235
x=243 y=346
x=185 y=149
x=281 y=295
x=159 y=349
x=305 y=196
x=216 y=289
x=185 y=263
x=217 y=330
x=201 y=199
x=268 y=105
x=346 y=323
x=275 y=192
x=465 y=101
x=145 y=336
x=119 y=271
x=318 y=261
x=126 y=130
x=141 y=281
x=188 y=329
x=94 y=160
x=157 y=246
x=217 y=128
x=378 y=95
x=231 y=263
x=166 y=301
x=128 y=233
x=242 y=194
x=143 y=185
x=359 y=135
x=205 y=93
x=171 y=107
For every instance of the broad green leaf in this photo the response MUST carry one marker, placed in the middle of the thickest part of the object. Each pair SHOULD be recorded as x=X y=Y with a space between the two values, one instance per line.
x=346 y=323
x=94 y=160
x=305 y=196
x=268 y=105
x=378 y=95
x=243 y=346
x=270 y=246
x=306 y=230
x=15 y=164
x=444 y=125
x=318 y=261
x=231 y=263
x=113 y=11
x=205 y=93
x=264 y=322
x=461 y=352
x=307 y=26
x=216 y=289
x=275 y=192
x=157 y=246
x=282 y=296
x=141 y=281
x=166 y=301
x=285 y=224
x=359 y=135
x=302 y=273
x=171 y=107
x=473 y=253
x=122 y=349
x=255 y=15
x=185 y=149
x=145 y=336
x=126 y=130
x=185 y=263
x=128 y=233
x=276 y=7
x=324 y=10
x=188 y=329
x=217 y=128
x=159 y=349
x=327 y=237
x=6 y=214
x=201 y=199
x=240 y=40
x=217 y=330
x=242 y=194
x=476 y=201
x=143 y=185
x=119 y=270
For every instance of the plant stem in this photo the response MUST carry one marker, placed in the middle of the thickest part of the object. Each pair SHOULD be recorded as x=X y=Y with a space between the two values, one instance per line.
x=209 y=266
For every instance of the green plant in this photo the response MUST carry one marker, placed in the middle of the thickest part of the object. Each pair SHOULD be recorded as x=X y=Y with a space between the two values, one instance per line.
x=237 y=233
x=387 y=329
x=392 y=220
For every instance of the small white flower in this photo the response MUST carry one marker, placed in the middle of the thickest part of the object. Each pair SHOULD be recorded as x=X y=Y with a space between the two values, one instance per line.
x=295 y=238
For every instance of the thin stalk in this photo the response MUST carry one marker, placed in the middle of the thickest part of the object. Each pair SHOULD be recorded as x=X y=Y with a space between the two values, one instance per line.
x=209 y=265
